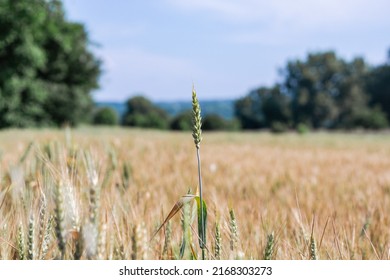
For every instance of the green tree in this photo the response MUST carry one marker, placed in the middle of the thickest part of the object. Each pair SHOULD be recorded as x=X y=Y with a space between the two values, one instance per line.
x=263 y=107
x=141 y=112
x=275 y=107
x=249 y=112
x=352 y=98
x=369 y=118
x=106 y=116
x=312 y=85
x=322 y=91
x=216 y=122
x=329 y=92
x=46 y=69
x=182 y=121
x=378 y=86
x=21 y=94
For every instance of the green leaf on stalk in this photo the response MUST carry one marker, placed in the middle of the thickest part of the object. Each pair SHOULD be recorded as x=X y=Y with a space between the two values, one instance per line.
x=202 y=222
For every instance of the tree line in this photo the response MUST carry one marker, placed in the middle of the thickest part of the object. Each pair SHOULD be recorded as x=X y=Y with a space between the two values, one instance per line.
x=323 y=91
x=143 y=113
x=48 y=71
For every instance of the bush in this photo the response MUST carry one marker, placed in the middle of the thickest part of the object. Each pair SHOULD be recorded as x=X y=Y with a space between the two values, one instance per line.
x=182 y=121
x=141 y=112
x=151 y=120
x=105 y=116
x=371 y=119
x=302 y=128
x=278 y=127
x=216 y=122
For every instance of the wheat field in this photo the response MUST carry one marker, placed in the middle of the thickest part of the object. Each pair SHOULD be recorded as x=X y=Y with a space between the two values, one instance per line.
x=101 y=193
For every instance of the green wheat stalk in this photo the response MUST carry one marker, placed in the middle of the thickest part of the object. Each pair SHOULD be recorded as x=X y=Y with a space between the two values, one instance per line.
x=269 y=248
x=197 y=135
x=201 y=205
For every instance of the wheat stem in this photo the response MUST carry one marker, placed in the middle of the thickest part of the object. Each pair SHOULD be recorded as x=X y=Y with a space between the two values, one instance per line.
x=197 y=135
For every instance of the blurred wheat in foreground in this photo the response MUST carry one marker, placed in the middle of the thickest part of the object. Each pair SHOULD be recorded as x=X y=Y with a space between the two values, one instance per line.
x=102 y=193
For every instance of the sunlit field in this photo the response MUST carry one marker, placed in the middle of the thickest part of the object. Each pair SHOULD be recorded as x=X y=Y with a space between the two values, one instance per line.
x=101 y=193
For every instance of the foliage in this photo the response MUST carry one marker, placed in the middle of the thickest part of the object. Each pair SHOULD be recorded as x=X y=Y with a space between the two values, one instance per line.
x=183 y=121
x=141 y=112
x=106 y=116
x=275 y=106
x=248 y=111
x=309 y=85
x=262 y=107
x=278 y=127
x=302 y=128
x=47 y=71
x=322 y=91
x=378 y=85
x=216 y=122
x=326 y=91
x=372 y=118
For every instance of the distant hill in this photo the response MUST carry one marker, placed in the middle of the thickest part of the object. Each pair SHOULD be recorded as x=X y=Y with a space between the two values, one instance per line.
x=223 y=108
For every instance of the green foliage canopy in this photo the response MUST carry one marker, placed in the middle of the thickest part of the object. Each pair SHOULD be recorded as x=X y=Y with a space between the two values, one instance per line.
x=323 y=91
x=183 y=121
x=216 y=122
x=378 y=85
x=262 y=107
x=46 y=69
x=141 y=112
x=105 y=116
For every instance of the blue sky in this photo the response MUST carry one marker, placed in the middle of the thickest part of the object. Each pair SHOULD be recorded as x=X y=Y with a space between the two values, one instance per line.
x=225 y=47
